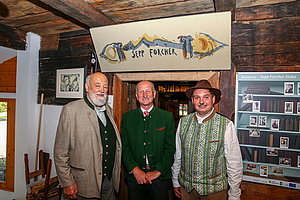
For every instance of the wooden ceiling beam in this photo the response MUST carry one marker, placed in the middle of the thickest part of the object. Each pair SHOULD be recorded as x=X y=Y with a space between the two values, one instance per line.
x=81 y=11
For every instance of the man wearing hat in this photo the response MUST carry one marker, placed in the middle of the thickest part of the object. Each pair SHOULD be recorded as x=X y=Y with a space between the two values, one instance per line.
x=207 y=150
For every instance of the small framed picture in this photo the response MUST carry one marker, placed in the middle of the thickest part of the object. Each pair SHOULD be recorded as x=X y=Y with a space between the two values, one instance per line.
x=264 y=171
x=298 y=161
x=254 y=133
x=288 y=108
x=277 y=170
x=284 y=142
x=298 y=88
x=275 y=124
x=285 y=161
x=253 y=120
x=262 y=122
x=251 y=167
x=289 y=88
x=247 y=98
x=272 y=152
x=298 y=107
x=256 y=106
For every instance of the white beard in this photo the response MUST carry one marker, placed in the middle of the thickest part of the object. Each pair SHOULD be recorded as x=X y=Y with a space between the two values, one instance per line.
x=97 y=102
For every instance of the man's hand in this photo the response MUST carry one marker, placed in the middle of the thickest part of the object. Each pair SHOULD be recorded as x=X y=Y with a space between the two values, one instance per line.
x=153 y=175
x=177 y=191
x=140 y=176
x=71 y=191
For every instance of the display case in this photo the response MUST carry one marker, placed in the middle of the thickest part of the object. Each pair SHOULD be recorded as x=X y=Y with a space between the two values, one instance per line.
x=267 y=117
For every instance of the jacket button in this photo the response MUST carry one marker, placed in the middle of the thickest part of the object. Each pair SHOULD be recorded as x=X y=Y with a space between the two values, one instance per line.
x=100 y=173
x=89 y=113
x=145 y=131
x=100 y=154
x=144 y=143
x=144 y=156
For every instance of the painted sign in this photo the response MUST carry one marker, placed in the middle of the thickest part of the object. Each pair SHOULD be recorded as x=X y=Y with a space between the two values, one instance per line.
x=195 y=42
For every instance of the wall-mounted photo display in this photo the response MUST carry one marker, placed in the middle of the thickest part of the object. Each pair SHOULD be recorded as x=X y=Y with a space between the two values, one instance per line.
x=256 y=106
x=262 y=122
x=254 y=133
x=284 y=142
x=298 y=107
x=289 y=88
x=298 y=161
x=275 y=124
x=70 y=82
x=247 y=98
x=253 y=120
x=264 y=171
x=277 y=170
x=288 y=107
x=285 y=161
x=251 y=167
x=272 y=152
x=298 y=88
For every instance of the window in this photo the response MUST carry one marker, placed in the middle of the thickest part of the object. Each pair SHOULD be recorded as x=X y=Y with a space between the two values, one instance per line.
x=7 y=143
x=183 y=107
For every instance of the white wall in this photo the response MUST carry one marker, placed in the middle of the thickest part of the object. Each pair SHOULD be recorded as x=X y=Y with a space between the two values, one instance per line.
x=27 y=116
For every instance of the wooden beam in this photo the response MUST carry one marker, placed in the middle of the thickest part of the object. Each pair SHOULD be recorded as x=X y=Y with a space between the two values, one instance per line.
x=81 y=11
x=12 y=38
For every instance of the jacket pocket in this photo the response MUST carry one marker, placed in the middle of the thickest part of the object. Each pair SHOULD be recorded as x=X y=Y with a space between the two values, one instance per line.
x=76 y=168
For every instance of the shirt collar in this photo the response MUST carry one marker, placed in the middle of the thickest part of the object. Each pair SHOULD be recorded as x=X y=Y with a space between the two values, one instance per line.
x=143 y=110
x=200 y=119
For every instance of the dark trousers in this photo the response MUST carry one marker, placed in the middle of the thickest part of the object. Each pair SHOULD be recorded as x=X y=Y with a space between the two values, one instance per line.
x=158 y=190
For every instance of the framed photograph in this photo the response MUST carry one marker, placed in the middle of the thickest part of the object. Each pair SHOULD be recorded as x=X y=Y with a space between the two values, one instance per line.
x=277 y=170
x=275 y=124
x=256 y=106
x=247 y=98
x=298 y=88
x=70 y=82
x=251 y=167
x=298 y=107
x=253 y=120
x=272 y=152
x=288 y=107
x=289 y=88
x=262 y=121
x=264 y=171
x=284 y=142
x=254 y=133
x=298 y=161
x=285 y=161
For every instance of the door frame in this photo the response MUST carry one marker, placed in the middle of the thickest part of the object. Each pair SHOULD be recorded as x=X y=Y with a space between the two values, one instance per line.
x=120 y=88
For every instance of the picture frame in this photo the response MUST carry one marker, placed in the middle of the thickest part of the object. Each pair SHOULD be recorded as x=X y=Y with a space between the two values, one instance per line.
x=253 y=120
x=275 y=124
x=277 y=170
x=288 y=88
x=247 y=98
x=288 y=107
x=254 y=133
x=256 y=106
x=298 y=107
x=272 y=152
x=251 y=167
x=262 y=121
x=284 y=142
x=285 y=161
x=70 y=82
x=263 y=171
x=298 y=161
x=298 y=88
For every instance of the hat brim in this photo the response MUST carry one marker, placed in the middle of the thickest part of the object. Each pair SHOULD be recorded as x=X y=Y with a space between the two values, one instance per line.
x=216 y=92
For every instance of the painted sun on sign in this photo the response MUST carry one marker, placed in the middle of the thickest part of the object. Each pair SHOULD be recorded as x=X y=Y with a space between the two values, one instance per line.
x=197 y=47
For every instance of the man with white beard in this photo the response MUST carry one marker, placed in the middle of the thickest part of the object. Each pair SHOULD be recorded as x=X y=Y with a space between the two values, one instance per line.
x=87 y=149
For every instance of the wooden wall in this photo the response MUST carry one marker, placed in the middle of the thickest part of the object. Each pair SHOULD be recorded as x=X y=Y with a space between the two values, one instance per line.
x=8 y=72
x=264 y=38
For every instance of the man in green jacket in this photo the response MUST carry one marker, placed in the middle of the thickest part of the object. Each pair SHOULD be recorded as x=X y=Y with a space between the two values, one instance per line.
x=148 y=139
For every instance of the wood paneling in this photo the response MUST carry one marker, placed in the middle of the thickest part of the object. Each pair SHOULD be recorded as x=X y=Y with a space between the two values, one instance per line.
x=8 y=72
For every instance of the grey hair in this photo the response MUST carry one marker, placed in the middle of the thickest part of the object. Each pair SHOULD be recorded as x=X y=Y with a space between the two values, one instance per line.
x=136 y=90
x=87 y=80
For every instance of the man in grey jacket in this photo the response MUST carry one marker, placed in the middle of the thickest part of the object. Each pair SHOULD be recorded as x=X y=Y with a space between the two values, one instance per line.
x=87 y=149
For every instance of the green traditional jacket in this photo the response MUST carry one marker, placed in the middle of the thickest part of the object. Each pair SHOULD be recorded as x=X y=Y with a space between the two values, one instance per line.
x=154 y=136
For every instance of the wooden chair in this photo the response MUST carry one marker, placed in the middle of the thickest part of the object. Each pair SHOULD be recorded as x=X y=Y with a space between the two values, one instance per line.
x=40 y=187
